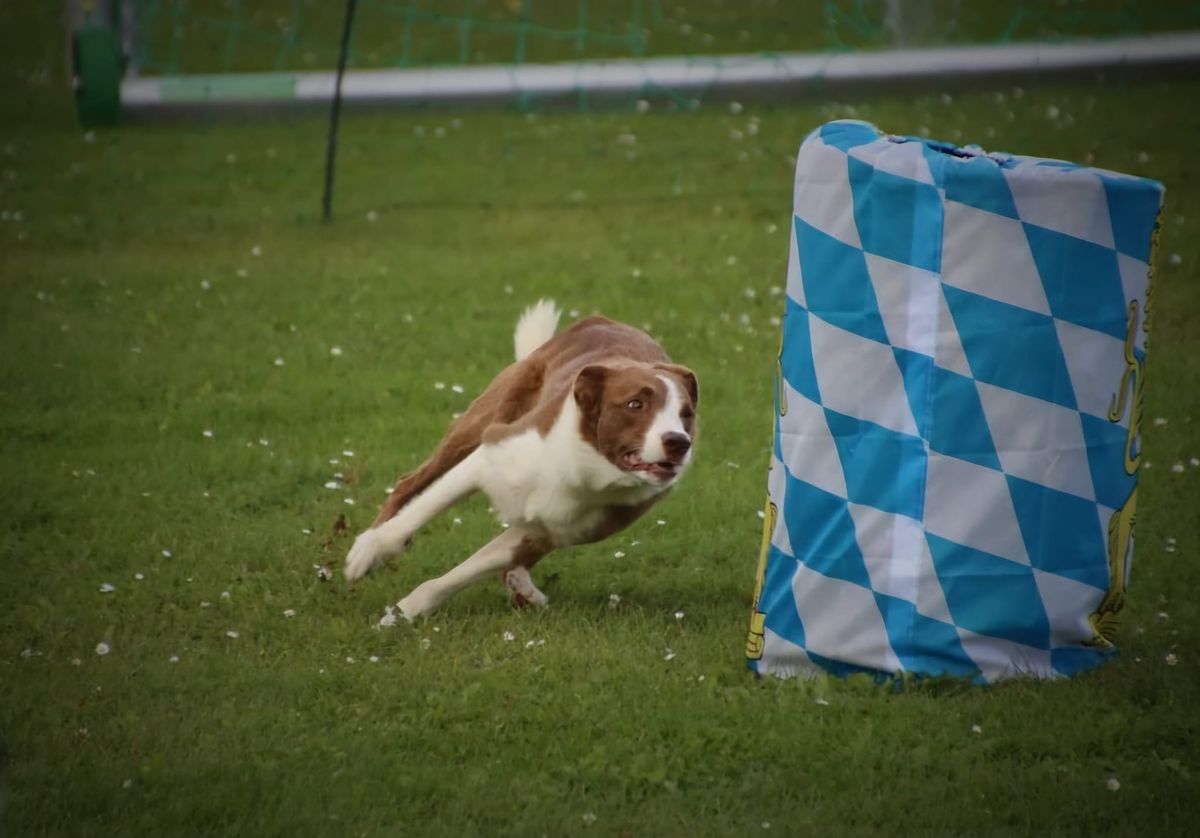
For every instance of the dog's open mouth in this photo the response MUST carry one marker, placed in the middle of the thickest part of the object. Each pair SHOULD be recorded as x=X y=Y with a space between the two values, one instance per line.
x=663 y=470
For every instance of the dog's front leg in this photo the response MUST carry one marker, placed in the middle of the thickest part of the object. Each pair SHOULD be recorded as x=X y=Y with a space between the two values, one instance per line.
x=374 y=546
x=515 y=547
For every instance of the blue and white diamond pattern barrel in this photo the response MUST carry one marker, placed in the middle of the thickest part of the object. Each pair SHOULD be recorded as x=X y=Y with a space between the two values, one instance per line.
x=953 y=486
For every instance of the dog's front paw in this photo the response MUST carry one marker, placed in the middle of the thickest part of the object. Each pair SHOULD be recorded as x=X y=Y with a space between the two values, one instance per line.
x=367 y=552
x=414 y=605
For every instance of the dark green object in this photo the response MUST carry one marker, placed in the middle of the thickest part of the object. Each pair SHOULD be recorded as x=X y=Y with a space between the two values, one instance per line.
x=97 y=54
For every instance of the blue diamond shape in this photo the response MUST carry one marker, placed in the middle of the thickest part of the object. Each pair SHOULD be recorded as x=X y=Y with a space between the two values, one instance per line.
x=837 y=286
x=1082 y=280
x=883 y=468
x=1011 y=347
x=796 y=358
x=922 y=644
x=777 y=601
x=959 y=426
x=1061 y=532
x=821 y=532
x=990 y=595
x=1133 y=205
x=897 y=218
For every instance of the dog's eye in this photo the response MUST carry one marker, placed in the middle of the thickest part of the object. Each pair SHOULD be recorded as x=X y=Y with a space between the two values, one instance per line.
x=686 y=413
x=634 y=404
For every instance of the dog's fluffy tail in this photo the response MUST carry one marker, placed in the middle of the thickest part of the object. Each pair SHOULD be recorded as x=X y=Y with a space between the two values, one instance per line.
x=535 y=327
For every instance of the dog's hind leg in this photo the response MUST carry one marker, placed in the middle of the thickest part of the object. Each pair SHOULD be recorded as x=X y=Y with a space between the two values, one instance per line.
x=515 y=547
x=377 y=544
x=522 y=593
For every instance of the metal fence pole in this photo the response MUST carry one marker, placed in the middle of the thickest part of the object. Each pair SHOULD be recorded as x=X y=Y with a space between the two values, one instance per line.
x=335 y=112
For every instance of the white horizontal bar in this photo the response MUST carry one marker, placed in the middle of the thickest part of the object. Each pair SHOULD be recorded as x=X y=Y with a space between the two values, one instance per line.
x=687 y=74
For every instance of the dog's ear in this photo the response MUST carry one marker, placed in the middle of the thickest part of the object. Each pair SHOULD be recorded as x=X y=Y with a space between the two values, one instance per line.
x=687 y=376
x=589 y=390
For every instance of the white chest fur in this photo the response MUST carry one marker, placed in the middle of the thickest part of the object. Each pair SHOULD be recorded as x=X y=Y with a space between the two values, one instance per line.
x=558 y=482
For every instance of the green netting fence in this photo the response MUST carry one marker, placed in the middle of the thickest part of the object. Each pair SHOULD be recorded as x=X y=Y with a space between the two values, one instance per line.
x=219 y=51
x=176 y=37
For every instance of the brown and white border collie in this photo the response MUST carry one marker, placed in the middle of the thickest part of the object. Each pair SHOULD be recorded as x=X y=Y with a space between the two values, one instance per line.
x=572 y=443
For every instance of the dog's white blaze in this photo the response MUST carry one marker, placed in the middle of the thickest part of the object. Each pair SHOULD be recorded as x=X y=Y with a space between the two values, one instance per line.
x=667 y=420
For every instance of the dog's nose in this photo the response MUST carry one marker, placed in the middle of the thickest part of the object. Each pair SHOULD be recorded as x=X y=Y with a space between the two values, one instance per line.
x=676 y=444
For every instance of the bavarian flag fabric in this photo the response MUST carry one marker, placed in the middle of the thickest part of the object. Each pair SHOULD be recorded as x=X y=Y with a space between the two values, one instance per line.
x=953 y=482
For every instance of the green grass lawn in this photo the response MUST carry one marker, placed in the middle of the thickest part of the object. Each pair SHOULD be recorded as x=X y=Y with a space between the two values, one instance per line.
x=151 y=277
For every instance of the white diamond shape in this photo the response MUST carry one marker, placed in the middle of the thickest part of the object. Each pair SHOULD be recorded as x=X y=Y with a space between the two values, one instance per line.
x=860 y=378
x=989 y=255
x=906 y=160
x=898 y=560
x=1096 y=363
x=807 y=445
x=777 y=490
x=842 y=621
x=822 y=196
x=908 y=302
x=999 y=658
x=971 y=505
x=1068 y=604
x=1070 y=201
x=1037 y=440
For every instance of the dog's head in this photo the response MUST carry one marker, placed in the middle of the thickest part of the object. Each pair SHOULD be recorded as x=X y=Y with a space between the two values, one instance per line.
x=642 y=419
